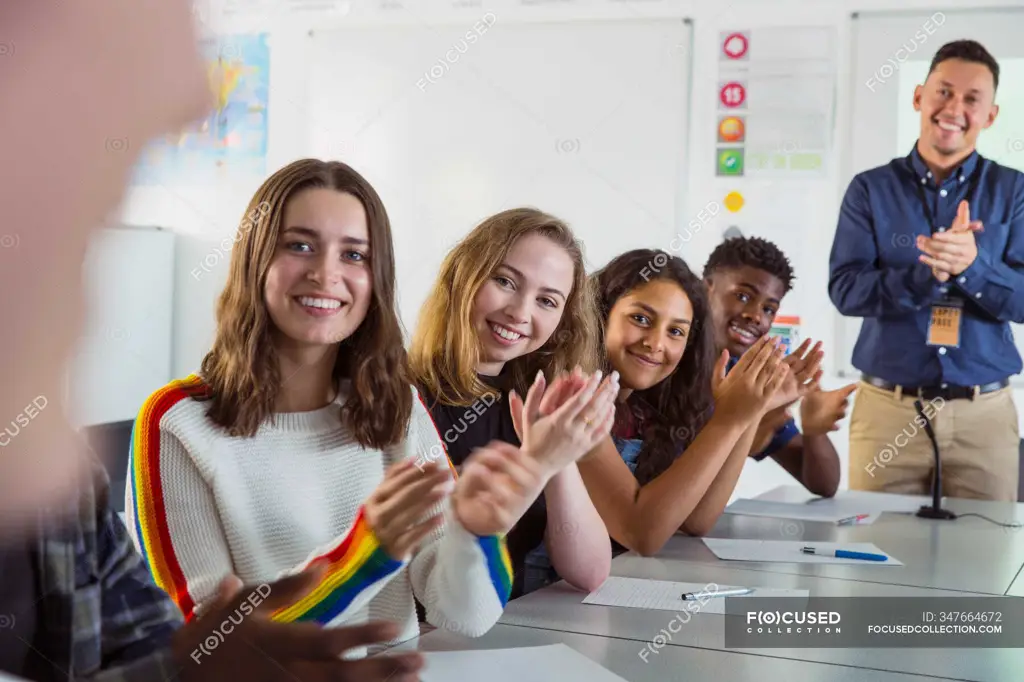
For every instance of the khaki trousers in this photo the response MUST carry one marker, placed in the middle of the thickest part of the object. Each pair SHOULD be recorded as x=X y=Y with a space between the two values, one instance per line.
x=978 y=439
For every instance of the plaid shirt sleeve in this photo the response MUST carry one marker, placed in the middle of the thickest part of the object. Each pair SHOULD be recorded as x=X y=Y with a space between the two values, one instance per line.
x=123 y=621
x=138 y=617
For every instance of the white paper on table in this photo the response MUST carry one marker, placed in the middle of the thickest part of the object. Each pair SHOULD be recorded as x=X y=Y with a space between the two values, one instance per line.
x=788 y=551
x=848 y=502
x=664 y=595
x=799 y=511
x=548 y=663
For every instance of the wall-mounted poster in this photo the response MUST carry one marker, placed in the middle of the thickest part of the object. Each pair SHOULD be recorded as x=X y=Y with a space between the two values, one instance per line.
x=232 y=140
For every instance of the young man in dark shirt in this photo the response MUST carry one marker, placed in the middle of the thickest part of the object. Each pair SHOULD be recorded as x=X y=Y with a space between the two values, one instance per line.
x=747 y=278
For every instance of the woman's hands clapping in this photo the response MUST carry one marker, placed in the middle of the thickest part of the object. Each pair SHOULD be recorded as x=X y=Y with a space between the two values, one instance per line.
x=561 y=423
x=557 y=425
x=498 y=484
x=395 y=510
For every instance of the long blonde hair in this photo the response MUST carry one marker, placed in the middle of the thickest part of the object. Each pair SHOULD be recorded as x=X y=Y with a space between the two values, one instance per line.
x=242 y=369
x=445 y=350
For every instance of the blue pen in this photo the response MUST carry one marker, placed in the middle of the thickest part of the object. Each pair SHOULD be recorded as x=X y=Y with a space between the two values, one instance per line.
x=845 y=554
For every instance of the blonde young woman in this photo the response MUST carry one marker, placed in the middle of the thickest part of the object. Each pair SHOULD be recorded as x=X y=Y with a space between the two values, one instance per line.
x=512 y=308
x=301 y=440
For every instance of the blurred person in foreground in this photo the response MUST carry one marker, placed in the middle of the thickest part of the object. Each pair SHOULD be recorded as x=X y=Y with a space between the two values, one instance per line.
x=75 y=600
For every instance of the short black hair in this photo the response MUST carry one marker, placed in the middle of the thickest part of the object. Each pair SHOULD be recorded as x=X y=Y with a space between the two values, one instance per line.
x=968 y=51
x=754 y=252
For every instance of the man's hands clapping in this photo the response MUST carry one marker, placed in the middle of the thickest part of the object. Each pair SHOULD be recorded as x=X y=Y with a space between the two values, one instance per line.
x=248 y=645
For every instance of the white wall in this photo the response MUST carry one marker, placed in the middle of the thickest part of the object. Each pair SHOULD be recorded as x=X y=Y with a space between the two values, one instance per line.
x=204 y=217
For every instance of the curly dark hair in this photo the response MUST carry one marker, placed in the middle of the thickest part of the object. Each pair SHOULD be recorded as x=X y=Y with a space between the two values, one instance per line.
x=754 y=252
x=672 y=412
x=968 y=51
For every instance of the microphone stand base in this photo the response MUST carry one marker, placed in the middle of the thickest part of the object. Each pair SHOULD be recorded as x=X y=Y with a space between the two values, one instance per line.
x=933 y=513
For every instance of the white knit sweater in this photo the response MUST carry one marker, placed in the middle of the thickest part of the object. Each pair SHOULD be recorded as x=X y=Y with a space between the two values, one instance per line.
x=201 y=504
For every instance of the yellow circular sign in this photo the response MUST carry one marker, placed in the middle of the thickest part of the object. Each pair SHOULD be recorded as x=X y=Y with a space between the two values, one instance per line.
x=733 y=201
x=731 y=129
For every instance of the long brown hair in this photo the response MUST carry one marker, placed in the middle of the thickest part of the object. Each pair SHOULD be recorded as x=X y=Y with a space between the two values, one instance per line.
x=242 y=369
x=674 y=410
x=445 y=349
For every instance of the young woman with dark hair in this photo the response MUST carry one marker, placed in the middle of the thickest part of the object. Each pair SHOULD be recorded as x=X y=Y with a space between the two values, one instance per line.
x=683 y=427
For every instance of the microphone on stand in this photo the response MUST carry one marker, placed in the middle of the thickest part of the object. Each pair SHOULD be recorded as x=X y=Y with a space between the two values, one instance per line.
x=935 y=511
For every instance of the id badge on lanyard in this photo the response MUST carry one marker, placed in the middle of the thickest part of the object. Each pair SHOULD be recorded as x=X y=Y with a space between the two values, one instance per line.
x=944 y=323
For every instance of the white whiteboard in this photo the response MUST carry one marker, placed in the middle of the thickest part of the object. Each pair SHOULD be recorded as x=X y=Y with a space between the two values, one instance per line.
x=124 y=353
x=585 y=120
x=884 y=124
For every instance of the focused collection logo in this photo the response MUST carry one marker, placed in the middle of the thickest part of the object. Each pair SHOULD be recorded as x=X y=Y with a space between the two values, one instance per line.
x=793 y=622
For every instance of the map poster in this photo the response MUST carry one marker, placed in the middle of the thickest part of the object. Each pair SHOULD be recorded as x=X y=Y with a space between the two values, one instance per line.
x=231 y=142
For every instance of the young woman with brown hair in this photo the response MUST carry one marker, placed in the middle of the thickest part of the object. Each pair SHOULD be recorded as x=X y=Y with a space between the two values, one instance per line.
x=301 y=441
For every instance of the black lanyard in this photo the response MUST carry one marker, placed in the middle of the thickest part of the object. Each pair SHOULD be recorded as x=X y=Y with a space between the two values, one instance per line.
x=972 y=190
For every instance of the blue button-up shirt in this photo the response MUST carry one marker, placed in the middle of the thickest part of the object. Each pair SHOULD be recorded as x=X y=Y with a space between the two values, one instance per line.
x=875 y=272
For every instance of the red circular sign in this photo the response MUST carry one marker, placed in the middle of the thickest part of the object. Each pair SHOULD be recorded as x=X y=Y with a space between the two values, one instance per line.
x=733 y=95
x=735 y=45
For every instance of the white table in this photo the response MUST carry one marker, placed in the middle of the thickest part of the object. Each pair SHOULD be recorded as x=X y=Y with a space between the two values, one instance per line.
x=560 y=608
x=622 y=657
x=968 y=554
x=964 y=557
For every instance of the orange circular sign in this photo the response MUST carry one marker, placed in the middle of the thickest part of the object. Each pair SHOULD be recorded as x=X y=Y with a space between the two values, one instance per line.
x=731 y=129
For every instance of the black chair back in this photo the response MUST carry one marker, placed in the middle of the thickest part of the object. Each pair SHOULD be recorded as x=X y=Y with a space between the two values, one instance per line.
x=111 y=443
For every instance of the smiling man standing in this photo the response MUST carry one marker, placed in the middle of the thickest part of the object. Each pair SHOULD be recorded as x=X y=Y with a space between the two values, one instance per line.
x=929 y=250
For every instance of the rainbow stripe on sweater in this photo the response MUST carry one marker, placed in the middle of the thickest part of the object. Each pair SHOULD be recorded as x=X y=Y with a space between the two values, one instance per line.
x=147 y=489
x=355 y=564
x=499 y=565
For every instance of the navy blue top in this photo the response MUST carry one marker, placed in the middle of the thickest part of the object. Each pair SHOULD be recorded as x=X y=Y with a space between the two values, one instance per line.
x=783 y=434
x=874 y=271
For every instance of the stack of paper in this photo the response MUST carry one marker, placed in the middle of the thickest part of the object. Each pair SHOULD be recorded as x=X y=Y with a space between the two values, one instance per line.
x=664 y=595
x=789 y=551
x=550 y=663
x=826 y=513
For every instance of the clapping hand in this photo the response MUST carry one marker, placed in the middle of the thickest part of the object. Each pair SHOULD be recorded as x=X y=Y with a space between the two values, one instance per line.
x=395 y=510
x=950 y=253
x=560 y=424
x=749 y=388
x=259 y=649
x=498 y=484
x=804 y=372
x=821 y=411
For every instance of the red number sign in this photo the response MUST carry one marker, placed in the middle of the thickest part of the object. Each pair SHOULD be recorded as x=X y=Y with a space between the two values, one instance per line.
x=733 y=95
